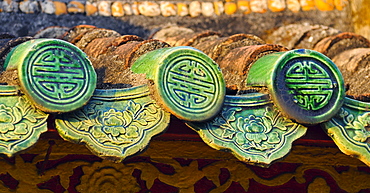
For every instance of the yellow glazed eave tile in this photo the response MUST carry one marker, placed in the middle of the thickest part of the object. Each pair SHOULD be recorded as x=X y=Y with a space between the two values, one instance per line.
x=219 y=7
x=258 y=6
x=182 y=9
x=117 y=9
x=341 y=4
x=276 y=5
x=60 y=8
x=91 y=9
x=75 y=7
x=230 y=8
x=324 y=5
x=308 y=5
x=244 y=6
x=293 y=5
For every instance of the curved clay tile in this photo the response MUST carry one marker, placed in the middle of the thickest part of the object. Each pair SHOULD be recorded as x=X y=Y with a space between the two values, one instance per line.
x=333 y=45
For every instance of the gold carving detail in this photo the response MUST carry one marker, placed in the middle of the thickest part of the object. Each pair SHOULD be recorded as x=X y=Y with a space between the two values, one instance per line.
x=100 y=174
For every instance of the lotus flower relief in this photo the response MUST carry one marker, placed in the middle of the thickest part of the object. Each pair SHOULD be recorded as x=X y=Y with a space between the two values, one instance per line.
x=251 y=131
x=6 y=119
x=118 y=123
x=363 y=134
x=115 y=123
x=111 y=125
x=359 y=128
x=256 y=132
x=9 y=121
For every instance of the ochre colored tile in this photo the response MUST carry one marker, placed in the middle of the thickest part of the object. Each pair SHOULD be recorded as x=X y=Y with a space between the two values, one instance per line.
x=293 y=5
x=148 y=8
x=244 y=6
x=258 y=6
x=75 y=7
x=60 y=8
x=135 y=8
x=127 y=9
x=341 y=4
x=195 y=9
x=182 y=9
x=276 y=5
x=117 y=9
x=168 y=8
x=324 y=5
x=219 y=7
x=308 y=5
x=91 y=8
x=230 y=8
x=104 y=8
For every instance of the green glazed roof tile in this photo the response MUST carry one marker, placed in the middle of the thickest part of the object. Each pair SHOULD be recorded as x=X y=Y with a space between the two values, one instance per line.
x=349 y=129
x=21 y=124
x=55 y=75
x=304 y=84
x=116 y=123
x=251 y=128
x=187 y=82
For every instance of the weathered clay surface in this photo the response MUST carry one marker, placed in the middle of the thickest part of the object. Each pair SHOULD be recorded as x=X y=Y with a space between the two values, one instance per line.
x=313 y=36
x=75 y=33
x=235 y=65
x=333 y=45
x=94 y=34
x=218 y=48
x=355 y=67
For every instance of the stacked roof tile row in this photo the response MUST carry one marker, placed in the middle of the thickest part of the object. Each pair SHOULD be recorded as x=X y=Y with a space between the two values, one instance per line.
x=166 y=8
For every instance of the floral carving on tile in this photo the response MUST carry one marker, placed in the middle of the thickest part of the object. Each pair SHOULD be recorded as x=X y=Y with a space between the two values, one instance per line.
x=255 y=133
x=350 y=129
x=115 y=125
x=358 y=129
x=20 y=125
x=258 y=135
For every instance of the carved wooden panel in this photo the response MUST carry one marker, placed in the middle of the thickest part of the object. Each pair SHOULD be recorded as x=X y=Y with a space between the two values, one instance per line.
x=179 y=166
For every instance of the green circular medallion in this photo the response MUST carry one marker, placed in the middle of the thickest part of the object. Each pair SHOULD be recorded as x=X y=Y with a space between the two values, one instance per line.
x=56 y=75
x=307 y=86
x=191 y=84
x=188 y=83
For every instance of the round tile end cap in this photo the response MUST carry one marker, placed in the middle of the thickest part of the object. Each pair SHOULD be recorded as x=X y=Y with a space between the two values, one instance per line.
x=54 y=74
x=188 y=83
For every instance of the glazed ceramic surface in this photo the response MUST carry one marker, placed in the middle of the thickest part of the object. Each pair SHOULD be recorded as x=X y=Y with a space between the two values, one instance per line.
x=304 y=84
x=21 y=124
x=350 y=129
x=55 y=75
x=116 y=123
x=187 y=82
x=251 y=128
